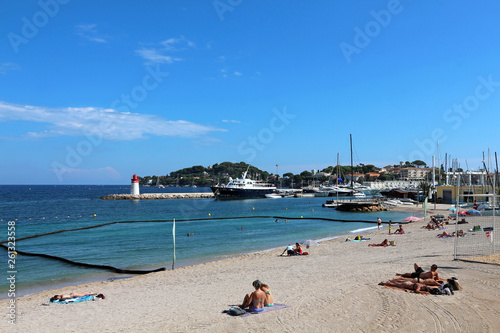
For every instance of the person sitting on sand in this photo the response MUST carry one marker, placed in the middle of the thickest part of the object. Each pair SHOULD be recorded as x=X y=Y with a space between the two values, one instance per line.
x=256 y=300
x=400 y=230
x=298 y=249
x=269 y=294
x=73 y=295
x=419 y=272
x=383 y=244
x=418 y=288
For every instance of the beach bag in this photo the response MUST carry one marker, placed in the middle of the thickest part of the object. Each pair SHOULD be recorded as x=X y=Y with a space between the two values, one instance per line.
x=454 y=285
x=236 y=311
x=436 y=291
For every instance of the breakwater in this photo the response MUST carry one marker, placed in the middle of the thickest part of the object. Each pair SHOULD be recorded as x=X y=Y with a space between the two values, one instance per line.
x=158 y=196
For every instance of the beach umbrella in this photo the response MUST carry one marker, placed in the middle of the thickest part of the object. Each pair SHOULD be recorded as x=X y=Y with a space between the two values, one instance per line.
x=473 y=212
x=483 y=207
x=309 y=242
x=412 y=219
x=453 y=209
x=462 y=212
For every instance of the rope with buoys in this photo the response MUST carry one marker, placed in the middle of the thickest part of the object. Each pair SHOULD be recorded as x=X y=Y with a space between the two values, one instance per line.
x=76 y=263
x=191 y=220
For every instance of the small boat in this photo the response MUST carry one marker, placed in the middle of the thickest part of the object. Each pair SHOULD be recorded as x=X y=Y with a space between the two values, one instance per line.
x=273 y=196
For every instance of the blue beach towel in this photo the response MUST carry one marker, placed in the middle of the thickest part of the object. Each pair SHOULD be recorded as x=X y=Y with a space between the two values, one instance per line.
x=276 y=306
x=75 y=299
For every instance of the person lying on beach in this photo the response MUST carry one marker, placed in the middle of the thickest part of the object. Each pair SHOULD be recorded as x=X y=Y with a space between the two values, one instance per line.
x=289 y=251
x=298 y=249
x=256 y=300
x=429 y=226
x=269 y=294
x=418 y=288
x=419 y=273
x=383 y=244
x=73 y=295
x=427 y=282
x=400 y=230
x=445 y=234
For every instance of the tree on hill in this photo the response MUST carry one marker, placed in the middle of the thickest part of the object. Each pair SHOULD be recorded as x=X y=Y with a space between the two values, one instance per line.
x=419 y=163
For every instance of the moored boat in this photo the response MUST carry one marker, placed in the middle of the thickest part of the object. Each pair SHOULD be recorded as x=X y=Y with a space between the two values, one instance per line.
x=241 y=188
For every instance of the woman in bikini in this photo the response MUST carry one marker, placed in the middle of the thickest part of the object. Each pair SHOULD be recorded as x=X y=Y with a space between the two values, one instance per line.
x=256 y=300
x=383 y=244
x=73 y=295
x=418 y=288
x=269 y=294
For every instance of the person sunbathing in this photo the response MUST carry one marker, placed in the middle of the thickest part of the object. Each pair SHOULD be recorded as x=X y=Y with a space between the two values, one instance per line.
x=400 y=230
x=73 y=295
x=269 y=294
x=256 y=300
x=445 y=234
x=430 y=226
x=427 y=282
x=419 y=273
x=418 y=288
x=383 y=244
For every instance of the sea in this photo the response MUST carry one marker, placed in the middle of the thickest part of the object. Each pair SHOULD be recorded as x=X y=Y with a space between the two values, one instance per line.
x=218 y=229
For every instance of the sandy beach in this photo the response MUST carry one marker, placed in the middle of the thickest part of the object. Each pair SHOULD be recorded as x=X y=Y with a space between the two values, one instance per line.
x=334 y=289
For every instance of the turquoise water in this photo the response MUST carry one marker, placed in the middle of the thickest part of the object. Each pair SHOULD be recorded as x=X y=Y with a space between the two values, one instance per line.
x=149 y=245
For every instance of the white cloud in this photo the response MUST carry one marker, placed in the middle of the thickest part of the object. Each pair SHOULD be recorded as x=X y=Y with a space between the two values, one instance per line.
x=162 y=52
x=154 y=56
x=106 y=123
x=89 y=32
x=238 y=73
x=7 y=67
x=231 y=121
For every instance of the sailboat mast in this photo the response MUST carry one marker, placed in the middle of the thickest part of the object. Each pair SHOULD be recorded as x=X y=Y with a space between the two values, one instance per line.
x=339 y=167
x=352 y=168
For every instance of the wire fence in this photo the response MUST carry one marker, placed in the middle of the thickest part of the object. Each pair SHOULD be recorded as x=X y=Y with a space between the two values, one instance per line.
x=476 y=228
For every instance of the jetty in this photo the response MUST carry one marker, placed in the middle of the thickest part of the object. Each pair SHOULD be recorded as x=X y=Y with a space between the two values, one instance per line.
x=159 y=196
x=356 y=205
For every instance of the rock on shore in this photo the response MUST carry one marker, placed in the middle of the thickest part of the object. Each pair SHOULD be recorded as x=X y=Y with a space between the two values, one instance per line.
x=156 y=196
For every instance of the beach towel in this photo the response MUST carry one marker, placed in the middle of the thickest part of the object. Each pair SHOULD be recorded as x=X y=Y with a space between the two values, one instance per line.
x=249 y=312
x=276 y=306
x=407 y=290
x=357 y=240
x=76 y=299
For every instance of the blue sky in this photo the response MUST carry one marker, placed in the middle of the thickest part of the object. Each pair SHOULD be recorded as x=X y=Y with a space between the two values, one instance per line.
x=92 y=92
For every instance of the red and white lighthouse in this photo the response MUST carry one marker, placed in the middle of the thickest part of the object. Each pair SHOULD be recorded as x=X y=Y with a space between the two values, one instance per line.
x=134 y=186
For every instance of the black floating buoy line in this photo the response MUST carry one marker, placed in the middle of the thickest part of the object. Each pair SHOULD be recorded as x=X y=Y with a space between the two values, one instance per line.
x=131 y=271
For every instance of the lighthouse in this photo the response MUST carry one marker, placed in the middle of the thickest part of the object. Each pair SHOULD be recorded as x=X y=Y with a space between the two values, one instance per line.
x=134 y=186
